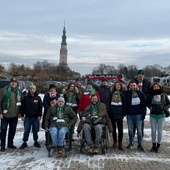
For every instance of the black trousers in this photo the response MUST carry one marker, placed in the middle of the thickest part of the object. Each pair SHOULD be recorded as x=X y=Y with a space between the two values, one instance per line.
x=117 y=124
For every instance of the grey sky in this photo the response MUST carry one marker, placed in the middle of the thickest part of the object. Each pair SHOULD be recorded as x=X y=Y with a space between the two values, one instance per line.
x=98 y=31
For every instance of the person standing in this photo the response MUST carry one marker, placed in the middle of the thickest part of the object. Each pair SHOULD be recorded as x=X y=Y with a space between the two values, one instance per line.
x=135 y=109
x=144 y=85
x=104 y=93
x=158 y=103
x=31 y=112
x=10 y=101
x=117 y=113
x=50 y=99
x=85 y=98
x=71 y=99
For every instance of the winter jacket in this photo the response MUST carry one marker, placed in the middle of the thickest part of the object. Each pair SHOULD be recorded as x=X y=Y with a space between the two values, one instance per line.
x=139 y=109
x=14 y=109
x=118 y=112
x=145 y=87
x=158 y=109
x=102 y=112
x=104 y=93
x=31 y=106
x=70 y=117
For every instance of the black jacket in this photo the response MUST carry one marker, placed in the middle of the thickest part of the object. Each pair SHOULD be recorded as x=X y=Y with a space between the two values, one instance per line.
x=118 y=112
x=104 y=93
x=31 y=106
x=135 y=109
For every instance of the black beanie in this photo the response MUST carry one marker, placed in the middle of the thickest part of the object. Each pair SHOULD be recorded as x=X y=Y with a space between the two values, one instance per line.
x=52 y=86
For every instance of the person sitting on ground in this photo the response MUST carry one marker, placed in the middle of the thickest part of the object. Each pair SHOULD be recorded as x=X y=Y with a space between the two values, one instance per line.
x=31 y=112
x=96 y=117
x=57 y=121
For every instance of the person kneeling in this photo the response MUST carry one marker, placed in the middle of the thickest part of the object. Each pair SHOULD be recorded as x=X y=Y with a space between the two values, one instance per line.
x=95 y=117
x=57 y=121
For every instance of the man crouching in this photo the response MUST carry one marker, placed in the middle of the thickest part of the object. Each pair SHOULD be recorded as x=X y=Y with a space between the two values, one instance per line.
x=96 y=117
x=57 y=121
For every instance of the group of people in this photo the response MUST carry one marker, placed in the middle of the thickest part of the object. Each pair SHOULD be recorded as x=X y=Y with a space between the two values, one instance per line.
x=99 y=105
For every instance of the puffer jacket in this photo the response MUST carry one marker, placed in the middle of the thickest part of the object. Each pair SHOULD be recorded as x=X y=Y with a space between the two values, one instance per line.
x=70 y=117
x=102 y=112
x=14 y=109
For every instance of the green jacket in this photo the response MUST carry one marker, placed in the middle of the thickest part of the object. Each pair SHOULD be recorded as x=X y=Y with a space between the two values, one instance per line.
x=70 y=117
x=13 y=110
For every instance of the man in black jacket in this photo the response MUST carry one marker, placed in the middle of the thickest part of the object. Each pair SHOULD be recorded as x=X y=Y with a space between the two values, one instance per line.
x=31 y=112
x=144 y=86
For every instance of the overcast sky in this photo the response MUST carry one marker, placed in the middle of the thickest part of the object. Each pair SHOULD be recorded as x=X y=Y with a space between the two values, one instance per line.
x=98 y=31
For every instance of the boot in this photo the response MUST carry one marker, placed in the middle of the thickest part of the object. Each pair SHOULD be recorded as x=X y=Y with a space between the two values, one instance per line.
x=120 y=146
x=157 y=148
x=114 y=145
x=60 y=150
x=55 y=149
x=153 y=147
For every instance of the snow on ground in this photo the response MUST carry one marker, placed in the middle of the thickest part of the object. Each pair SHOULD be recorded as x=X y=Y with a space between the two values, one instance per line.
x=34 y=158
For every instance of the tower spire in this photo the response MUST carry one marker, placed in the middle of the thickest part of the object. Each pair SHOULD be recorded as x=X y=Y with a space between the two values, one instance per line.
x=64 y=36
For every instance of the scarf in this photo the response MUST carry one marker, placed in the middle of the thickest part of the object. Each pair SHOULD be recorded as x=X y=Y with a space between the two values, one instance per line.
x=116 y=98
x=17 y=91
x=59 y=112
x=135 y=98
x=90 y=91
x=94 y=109
x=71 y=98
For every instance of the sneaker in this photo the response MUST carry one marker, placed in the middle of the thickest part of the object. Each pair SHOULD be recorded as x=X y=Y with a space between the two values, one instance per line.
x=36 y=144
x=96 y=150
x=60 y=150
x=140 y=147
x=12 y=146
x=90 y=150
x=130 y=146
x=24 y=145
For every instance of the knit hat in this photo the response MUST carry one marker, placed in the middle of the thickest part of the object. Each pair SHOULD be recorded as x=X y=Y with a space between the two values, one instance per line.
x=140 y=72
x=32 y=86
x=13 y=79
x=91 y=83
x=52 y=86
x=61 y=99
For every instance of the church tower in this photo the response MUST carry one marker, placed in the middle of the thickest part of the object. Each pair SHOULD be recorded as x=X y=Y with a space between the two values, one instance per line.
x=63 y=50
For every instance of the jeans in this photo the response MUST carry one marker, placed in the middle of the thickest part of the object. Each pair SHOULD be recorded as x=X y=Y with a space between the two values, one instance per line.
x=58 y=135
x=27 y=127
x=131 y=121
x=12 y=122
x=88 y=137
x=157 y=124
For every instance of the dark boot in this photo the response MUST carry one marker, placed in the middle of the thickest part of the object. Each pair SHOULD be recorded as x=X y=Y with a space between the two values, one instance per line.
x=153 y=147
x=114 y=145
x=157 y=148
x=120 y=146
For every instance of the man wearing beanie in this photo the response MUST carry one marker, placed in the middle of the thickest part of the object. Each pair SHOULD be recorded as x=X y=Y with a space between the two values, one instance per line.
x=10 y=102
x=144 y=86
x=31 y=112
